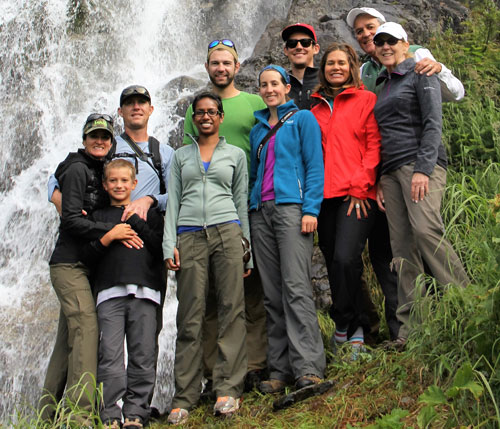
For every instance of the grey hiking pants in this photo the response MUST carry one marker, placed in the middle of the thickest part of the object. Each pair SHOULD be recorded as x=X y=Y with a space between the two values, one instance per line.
x=134 y=319
x=417 y=233
x=283 y=253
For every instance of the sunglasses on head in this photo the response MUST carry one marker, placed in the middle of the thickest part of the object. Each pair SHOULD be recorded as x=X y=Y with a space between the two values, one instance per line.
x=225 y=42
x=135 y=90
x=94 y=116
x=305 y=43
x=380 y=41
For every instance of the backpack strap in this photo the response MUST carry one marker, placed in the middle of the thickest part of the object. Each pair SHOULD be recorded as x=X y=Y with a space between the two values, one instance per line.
x=154 y=150
x=273 y=131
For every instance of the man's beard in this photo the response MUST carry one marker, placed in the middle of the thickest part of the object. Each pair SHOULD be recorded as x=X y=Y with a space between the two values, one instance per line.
x=230 y=80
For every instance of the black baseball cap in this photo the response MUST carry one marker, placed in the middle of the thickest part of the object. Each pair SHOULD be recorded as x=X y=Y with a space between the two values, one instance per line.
x=131 y=90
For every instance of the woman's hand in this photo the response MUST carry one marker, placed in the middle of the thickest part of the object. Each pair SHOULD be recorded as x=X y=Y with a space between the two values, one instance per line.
x=309 y=224
x=380 y=198
x=174 y=264
x=247 y=272
x=359 y=205
x=419 y=187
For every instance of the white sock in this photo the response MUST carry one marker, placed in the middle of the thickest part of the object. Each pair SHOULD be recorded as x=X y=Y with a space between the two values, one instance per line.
x=358 y=337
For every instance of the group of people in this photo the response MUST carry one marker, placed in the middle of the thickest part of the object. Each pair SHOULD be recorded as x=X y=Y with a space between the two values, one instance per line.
x=351 y=151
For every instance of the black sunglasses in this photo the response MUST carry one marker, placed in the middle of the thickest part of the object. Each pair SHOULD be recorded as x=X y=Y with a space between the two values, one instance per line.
x=380 y=41
x=94 y=116
x=305 y=43
x=225 y=42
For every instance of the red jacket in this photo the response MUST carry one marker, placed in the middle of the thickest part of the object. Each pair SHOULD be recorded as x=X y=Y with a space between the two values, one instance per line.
x=351 y=143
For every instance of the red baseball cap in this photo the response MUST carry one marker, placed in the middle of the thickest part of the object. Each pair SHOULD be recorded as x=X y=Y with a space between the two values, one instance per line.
x=298 y=27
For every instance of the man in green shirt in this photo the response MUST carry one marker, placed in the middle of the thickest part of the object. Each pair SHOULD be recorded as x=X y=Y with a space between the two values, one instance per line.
x=222 y=65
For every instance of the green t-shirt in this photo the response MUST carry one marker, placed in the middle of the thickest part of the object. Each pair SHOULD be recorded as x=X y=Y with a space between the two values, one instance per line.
x=238 y=121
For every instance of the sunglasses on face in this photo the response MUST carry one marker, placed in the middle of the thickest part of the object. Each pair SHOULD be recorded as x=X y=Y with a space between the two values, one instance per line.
x=94 y=116
x=225 y=42
x=305 y=43
x=380 y=41
x=201 y=113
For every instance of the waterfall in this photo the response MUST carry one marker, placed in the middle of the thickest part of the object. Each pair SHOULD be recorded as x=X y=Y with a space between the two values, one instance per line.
x=61 y=60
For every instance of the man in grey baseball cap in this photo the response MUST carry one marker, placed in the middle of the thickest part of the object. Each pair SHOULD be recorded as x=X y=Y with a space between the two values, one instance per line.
x=364 y=21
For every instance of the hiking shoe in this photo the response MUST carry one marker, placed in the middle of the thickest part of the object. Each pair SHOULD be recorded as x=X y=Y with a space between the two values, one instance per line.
x=398 y=344
x=273 y=385
x=307 y=380
x=178 y=416
x=253 y=379
x=132 y=424
x=357 y=347
x=114 y=424
x=226 y=406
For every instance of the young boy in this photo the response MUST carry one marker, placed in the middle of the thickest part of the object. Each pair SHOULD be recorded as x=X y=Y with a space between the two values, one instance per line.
x=127 y=281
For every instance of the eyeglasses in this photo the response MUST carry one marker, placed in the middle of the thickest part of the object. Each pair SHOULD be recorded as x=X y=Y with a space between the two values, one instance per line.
x=225 y=42
x=305 y=43
x=380 y=41
x=200 y=113
x=94 y=116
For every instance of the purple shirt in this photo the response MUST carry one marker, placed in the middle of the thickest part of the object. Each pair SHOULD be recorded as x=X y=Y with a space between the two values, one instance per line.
x=267 y=193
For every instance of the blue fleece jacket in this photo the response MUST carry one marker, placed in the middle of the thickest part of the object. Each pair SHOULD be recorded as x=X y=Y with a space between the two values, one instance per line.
x=298 y=170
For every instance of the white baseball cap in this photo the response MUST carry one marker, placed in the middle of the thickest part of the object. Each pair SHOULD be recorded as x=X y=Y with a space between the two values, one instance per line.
x=393 y=29
x=353 y=14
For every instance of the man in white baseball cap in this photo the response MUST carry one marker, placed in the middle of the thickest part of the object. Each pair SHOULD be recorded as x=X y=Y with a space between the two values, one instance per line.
x=365 y=21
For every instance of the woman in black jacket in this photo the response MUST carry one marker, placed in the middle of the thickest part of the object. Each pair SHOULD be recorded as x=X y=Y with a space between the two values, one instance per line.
x=74 y=358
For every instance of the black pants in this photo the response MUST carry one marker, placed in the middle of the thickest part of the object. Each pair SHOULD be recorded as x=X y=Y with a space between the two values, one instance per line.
x=342 y=239
x=379 y=246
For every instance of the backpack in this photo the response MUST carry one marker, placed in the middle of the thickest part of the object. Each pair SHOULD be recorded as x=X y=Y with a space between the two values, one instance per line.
x=153 y=153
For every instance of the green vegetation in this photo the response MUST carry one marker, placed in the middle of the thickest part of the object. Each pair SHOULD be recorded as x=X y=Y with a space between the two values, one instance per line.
x=449 y=374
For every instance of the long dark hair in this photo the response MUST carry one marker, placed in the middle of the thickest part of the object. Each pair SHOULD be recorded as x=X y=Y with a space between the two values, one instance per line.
x=354 y=75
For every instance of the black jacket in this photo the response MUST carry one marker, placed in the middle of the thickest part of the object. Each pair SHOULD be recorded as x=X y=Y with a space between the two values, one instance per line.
x=119 y=265
x=80 y=180
x=301 y=91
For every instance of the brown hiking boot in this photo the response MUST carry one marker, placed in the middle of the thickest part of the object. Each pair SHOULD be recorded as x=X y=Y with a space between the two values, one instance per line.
x=132 y=424
x=272 y=385
x=112 y=424
x=307 y=380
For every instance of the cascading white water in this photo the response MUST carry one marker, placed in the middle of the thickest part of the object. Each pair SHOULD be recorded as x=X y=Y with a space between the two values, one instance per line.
x=59 y=61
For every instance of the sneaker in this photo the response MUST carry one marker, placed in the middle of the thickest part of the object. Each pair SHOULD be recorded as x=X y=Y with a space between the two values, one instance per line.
x=307 y=380
x=114 y=424
x=178 y=416
x=398 y=344
x=226 y=406
x=132 y=424
x=273 y=385
x=357 y=347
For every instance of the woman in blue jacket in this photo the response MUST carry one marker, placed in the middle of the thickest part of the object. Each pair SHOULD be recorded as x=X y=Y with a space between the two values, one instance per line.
x=286 y=183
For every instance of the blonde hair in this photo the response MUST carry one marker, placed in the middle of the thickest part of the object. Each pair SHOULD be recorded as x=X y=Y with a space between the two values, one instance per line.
x=118 y=163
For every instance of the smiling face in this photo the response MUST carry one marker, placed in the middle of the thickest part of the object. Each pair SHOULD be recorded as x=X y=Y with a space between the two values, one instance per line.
x=337 y=70
x=119 y=184
x=97 y=143
x=301 y=57
x=365 y=27
x=272 y=89
x=135 y=112
x=391 y=55
x=206 y=117
x=221 y=68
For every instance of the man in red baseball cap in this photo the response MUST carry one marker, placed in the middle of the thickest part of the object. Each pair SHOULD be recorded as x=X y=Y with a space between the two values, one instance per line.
x=301 y=45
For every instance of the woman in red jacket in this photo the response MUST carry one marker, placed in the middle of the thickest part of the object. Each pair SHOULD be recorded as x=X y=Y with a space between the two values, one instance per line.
x=351 y=153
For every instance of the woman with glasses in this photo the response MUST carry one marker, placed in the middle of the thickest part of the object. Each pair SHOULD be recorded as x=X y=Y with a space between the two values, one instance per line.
x=205 y=221
x=75 y=350
x=413 y=170
x=351 y=154
x=286 y=183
